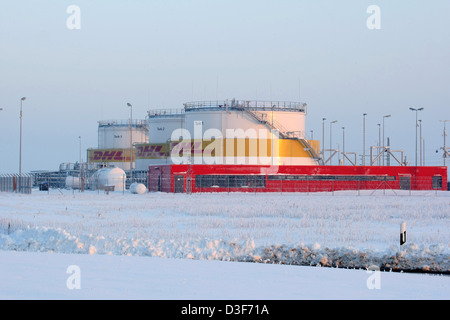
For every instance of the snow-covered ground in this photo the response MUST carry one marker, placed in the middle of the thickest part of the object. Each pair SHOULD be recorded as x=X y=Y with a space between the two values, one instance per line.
x=28 y=275
x=338 y=230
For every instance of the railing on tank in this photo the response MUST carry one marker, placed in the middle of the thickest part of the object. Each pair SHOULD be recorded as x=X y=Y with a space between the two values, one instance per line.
x=165 y=113
x=122 y=123
x=252 y=105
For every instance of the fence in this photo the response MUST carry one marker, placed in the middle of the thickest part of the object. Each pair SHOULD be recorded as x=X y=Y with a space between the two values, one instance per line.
x=16 y=183
x=298 y=184
x=58 y=179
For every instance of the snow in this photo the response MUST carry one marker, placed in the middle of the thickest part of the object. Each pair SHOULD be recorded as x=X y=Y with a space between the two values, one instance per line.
x=29 y=275
x=177 y=246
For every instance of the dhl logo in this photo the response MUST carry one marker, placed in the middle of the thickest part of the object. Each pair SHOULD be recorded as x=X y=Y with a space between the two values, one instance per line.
x=151 y=151
x=108 y=155
x=161 y=151
x=196 y=148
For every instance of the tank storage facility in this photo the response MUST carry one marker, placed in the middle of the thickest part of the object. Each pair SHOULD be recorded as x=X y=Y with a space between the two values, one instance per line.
x=232 y=145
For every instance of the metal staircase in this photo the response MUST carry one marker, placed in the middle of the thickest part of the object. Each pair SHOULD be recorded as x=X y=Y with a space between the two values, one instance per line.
x=283 y=133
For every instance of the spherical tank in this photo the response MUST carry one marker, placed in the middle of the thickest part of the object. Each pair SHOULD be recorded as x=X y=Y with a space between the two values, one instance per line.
x=138 y=188
x=72 y=182
x=108 y=177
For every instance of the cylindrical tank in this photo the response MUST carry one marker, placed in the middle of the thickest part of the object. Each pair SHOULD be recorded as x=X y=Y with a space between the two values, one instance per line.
x=241 y=122
x=115 y=134
x=247 y=116
x=161 y=124
x=138 y=188
x=108 y=177
x=72 y=182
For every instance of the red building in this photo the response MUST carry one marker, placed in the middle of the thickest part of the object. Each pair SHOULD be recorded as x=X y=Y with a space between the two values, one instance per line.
x=235 y=178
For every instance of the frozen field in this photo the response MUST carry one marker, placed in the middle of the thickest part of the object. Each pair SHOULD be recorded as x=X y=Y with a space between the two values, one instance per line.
x=341 y=230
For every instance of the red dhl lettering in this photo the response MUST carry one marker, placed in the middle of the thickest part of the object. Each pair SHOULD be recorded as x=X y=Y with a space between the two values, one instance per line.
x=150 y=151
x=97 y=155
x=197 y=148
x=194 y=148
x=114 y=155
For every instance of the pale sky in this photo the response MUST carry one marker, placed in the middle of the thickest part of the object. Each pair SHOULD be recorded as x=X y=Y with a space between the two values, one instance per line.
x=160 y=54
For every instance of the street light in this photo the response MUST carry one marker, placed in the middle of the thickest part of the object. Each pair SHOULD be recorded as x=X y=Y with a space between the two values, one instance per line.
x=343 y=145
x=20 y=145
x=364 y=139
x=416 y=110
x=323 y=139
x=131 y=141
x=384 y=145
x=379 y=142
x=420 y=142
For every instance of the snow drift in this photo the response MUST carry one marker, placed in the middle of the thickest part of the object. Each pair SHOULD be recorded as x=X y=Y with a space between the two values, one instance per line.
x=314 y=230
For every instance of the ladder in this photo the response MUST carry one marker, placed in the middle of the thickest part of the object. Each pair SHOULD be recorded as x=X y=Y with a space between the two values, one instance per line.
x=284 y=134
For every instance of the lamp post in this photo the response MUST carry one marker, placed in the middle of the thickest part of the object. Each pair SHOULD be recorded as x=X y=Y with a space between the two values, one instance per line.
x=331 y=139
x=81 y=188
x=420 y=143
x=417 y=122
x=323 y=139
x=343 y=145
x=379 y=141
x=384 y=145
x=131 y=141
x=20 y=144
x=364 y=139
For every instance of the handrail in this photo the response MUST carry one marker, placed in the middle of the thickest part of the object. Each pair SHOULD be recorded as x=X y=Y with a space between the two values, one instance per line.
x=247 y=104
x=135 y=122
x=164 y=112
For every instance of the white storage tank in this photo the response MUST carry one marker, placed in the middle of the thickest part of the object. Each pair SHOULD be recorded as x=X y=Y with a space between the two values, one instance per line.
x=287 y=117
x=115 y=134
x=161 y=124
x=114 y=137
x=108 y=177
x=72 y=182
x=138 y=188
x=240 y=120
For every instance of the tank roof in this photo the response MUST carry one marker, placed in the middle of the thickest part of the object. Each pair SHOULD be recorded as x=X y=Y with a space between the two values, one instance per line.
x=123 y=123
x=247 y=104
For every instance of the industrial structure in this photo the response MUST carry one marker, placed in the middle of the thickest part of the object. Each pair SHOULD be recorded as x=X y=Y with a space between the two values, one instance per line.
x=115 y=141
x=259 y=146
x=237 y=145
x=223 y=178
